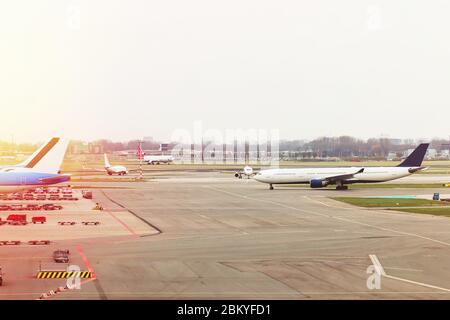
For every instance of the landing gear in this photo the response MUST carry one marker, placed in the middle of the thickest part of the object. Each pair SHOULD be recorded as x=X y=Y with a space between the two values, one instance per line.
x=270 y=187
x=340 y=186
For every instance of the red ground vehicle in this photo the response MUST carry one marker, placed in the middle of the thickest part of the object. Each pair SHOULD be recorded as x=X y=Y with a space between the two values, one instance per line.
x=39 y=190
x=38 y=220
x=69 y=197
x=87 y=194
x=54 y=190
x=54 y=197
x=17 y=196
x=66 y=191
x=41 y=197
x=32 y=207
x=28 y=196
x=17 y=219
x=51 y=206
x=16 y=207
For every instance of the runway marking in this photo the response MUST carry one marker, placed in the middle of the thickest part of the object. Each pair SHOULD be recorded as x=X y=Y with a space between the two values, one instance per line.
x=332 y=217
x=326 y=204
x=86 y=262
x=380 y=270
x=133 y=213
x=418 y=283
x=404 y=269
x=123 y=224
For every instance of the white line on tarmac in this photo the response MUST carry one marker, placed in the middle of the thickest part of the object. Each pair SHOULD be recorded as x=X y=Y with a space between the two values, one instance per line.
x=404 y=269
x=418 y=283
x=380 y=270
x=326 y=204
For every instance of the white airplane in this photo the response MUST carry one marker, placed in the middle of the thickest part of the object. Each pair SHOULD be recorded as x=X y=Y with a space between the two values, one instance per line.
x=322 y=177
x=247 y=171
x=119 y=170
x=40 y=169
x=158 y=159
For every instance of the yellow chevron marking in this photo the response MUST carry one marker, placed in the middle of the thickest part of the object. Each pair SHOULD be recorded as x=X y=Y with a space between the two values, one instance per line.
x=63 y=274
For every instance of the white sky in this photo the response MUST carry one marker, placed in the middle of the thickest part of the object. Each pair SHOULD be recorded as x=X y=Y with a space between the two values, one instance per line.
x=127 y=69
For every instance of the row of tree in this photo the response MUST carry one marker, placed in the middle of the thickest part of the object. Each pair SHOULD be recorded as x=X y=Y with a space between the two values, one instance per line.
x=343 y=146
x=347 y=146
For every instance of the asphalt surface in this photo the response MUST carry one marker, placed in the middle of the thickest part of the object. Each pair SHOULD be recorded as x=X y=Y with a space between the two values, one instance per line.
x=219 y=238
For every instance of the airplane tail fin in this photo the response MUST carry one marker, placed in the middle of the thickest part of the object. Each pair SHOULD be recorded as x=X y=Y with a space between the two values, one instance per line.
x=416 y=157
x=107 y=164
x=49 y=157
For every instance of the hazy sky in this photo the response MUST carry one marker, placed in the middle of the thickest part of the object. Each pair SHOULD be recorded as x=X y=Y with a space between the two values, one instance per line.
x=127 y=69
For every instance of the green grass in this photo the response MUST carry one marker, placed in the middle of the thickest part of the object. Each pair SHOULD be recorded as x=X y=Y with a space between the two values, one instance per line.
x=397 y=185
x=421 y=205
x=441 y=211
x=387 y=202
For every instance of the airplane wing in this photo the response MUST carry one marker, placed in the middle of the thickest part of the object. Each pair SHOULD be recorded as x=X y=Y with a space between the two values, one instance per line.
x=343 y=176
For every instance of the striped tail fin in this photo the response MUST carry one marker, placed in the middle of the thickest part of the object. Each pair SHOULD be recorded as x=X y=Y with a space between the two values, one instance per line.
x=49 y=157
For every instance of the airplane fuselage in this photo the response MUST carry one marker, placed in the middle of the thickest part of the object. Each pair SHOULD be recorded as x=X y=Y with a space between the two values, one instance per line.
x=120 y=170
x=22 y=179
x=305 y=175
x=158 y=159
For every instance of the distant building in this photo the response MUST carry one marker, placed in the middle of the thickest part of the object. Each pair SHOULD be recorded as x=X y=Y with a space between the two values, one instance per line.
x=396 y=142
x=391 y=156
x=408 y=152
x=164 y=147
x=78 y=147
x=95 y=148
x=445 y=154
x=431 y=154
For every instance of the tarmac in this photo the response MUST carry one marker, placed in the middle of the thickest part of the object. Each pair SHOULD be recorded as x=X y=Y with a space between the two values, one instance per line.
x=203 y=235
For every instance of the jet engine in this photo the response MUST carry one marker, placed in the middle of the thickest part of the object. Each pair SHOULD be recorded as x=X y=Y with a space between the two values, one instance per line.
x=318 y=183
